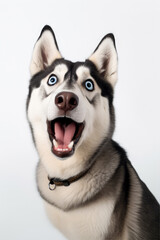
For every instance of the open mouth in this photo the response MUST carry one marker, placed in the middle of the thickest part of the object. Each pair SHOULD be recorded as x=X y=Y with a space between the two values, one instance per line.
x=64 y=134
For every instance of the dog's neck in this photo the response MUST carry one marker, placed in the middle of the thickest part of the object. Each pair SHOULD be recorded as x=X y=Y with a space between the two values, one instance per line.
x=85 y=187
x=56 y=182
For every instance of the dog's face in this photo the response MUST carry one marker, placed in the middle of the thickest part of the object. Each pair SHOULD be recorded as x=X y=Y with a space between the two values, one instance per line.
x=70 y=104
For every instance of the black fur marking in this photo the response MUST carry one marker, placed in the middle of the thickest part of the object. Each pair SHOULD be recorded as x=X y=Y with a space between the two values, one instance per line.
x=70 y=76
x=37 y=78
x=121 y=151
x=120 y=209
x=110 y=35
x=72 y=73
x=150 y=207
x=106 y=88
x=48 y=28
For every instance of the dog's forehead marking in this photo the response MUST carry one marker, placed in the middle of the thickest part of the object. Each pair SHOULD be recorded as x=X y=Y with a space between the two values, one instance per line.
x=83 y=72
x=60 y=70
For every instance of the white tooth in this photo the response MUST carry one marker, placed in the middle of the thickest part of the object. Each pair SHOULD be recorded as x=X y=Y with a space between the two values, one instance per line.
x=55 y=143
x=71 y=144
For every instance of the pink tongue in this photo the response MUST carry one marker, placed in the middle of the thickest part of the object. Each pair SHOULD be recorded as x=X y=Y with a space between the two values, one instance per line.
x=64 y=134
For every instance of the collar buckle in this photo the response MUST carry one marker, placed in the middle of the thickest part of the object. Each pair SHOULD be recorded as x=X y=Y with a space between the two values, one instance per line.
x=54 y=182
x=51 y=185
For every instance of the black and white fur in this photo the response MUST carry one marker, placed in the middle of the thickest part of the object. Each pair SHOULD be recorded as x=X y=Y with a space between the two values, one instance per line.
x=109 y=201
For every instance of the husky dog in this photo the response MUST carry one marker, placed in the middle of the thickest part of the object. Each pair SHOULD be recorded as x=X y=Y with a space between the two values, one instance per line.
x=90 y=188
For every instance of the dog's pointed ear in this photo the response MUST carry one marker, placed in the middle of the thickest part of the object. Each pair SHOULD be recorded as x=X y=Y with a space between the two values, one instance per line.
x=106 y=60
x=45 y=51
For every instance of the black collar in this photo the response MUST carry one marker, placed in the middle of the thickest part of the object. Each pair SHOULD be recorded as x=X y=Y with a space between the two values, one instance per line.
x=54 y=182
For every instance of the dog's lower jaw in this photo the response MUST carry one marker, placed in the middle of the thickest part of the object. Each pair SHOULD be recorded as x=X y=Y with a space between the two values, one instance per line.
x=61 y=168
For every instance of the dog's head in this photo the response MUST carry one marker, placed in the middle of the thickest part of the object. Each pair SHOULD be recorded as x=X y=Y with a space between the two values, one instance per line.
x=70 y=104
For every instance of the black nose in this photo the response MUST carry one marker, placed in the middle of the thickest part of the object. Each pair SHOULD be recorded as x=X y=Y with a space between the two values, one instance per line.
x=66 y=101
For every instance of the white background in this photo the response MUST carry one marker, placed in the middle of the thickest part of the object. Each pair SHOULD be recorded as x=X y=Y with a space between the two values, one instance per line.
x=79 y=26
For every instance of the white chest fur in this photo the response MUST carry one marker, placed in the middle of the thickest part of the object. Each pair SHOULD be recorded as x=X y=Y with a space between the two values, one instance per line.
x=89 y=222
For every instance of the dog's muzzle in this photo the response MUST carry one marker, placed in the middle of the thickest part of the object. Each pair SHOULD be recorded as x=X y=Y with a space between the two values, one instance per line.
x=63 y=131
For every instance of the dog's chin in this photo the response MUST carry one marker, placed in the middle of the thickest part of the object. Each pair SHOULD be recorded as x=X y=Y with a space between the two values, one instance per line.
x=64 y=134
x=63 y=153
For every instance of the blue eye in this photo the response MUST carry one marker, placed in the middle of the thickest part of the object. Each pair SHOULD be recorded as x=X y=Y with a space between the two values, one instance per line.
x=89 y=85
x=52 y=80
